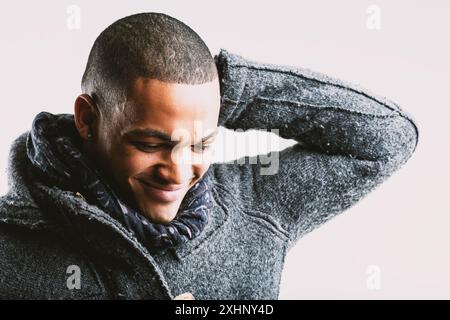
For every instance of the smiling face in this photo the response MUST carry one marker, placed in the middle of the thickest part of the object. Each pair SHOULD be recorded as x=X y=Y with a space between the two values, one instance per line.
x=160 y=146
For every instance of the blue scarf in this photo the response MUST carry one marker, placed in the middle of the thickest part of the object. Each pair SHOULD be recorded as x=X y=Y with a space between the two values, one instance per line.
x=53 y=147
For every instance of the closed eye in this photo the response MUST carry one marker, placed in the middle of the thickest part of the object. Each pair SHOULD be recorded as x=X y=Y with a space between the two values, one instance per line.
x=149 y=147
x=152 y=147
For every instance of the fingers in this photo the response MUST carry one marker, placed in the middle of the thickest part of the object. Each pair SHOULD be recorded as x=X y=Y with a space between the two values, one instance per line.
x=184 y=296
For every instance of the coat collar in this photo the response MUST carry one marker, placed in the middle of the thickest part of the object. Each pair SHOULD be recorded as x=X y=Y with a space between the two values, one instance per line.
x=36 y=206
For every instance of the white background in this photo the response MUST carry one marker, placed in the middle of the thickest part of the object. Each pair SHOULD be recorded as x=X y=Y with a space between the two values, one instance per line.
x=401 y=229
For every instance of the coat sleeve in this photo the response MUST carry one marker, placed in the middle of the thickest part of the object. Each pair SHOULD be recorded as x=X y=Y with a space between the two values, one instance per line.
x=348 y=142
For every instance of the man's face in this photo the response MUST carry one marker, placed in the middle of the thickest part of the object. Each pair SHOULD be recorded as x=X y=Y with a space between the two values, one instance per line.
x=162 y=140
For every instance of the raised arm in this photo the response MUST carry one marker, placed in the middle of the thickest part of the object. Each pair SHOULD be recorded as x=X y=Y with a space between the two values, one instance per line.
x=349 y=141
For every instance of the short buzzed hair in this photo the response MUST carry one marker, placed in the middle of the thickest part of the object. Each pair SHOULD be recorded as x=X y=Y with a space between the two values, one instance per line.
x=152 y=45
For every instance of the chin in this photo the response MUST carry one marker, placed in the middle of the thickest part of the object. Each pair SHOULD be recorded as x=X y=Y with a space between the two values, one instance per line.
x=162 y=214
x=163 y=219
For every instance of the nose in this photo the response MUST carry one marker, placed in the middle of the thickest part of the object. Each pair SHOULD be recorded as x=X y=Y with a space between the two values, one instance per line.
x=172 y=173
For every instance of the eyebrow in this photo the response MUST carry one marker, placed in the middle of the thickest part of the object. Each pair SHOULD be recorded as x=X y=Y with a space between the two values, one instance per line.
x=152 y=133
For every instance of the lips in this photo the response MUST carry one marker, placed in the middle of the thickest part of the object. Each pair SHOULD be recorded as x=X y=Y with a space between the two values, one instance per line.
x=165 y=194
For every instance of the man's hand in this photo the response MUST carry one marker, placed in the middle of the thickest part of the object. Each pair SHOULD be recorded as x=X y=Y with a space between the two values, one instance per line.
x=184 y=296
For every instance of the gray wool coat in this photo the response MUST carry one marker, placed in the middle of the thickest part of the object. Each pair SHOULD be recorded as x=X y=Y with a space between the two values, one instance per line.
x=349 y=142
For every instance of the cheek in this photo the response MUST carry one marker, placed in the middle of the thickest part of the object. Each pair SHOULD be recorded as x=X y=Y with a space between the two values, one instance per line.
x=200 y=170
x=139 y=162
x=132 y=162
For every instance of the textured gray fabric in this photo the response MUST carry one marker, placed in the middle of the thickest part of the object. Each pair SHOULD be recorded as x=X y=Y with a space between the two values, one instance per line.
x=349 y=141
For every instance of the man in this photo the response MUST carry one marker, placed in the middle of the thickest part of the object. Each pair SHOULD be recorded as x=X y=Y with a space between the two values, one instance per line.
x=108 y=204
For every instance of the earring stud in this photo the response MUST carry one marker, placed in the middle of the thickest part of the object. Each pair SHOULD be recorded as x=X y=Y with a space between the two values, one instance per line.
x=89 y=136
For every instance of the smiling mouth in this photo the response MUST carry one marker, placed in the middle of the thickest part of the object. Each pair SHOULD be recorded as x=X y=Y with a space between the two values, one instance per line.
x=166 y=193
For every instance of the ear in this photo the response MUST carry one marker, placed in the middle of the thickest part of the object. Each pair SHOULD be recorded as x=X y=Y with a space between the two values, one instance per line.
x=86 y=115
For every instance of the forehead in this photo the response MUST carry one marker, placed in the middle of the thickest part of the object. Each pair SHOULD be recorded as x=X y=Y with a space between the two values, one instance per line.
x=167 y=107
